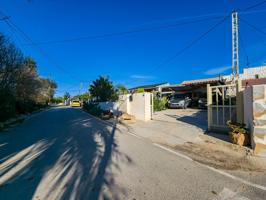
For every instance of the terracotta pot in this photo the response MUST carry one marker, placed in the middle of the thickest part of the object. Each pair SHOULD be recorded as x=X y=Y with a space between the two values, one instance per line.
x=239 y=138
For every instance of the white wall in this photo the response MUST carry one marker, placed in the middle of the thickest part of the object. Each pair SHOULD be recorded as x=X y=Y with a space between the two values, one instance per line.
x=248 y=107
x=255 y=117
x=250 y=73
x=140 y=106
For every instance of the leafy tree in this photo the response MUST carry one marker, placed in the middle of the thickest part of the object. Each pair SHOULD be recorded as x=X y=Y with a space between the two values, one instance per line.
x=22 y=90
x=57 y=100
x=121 y=89
x=83 y=97
x=66 y=95
x=102 y=89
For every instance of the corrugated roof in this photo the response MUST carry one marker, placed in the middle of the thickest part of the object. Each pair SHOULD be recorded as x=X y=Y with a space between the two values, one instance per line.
x=202 y=81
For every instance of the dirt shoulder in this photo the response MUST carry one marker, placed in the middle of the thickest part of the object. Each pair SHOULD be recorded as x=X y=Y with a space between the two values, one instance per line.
x=222 y=156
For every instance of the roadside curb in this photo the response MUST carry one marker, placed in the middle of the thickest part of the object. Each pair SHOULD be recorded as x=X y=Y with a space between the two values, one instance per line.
x=225 y=143
x=97 y=118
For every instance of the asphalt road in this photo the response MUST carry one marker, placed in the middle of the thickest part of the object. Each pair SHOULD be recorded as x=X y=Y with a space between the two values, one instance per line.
x=64 y=153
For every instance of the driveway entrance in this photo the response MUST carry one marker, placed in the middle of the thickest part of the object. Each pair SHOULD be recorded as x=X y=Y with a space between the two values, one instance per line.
x=191 y=117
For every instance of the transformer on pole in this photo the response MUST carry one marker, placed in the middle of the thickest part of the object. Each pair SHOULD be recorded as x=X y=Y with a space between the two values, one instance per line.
x=235 y=55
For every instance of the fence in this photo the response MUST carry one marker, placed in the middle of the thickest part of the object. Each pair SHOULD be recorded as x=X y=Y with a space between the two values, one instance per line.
x=221 y=106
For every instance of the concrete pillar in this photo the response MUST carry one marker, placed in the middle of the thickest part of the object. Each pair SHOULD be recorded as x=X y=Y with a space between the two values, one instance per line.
x=209 y=102
x=239 y=102
x=258 y=136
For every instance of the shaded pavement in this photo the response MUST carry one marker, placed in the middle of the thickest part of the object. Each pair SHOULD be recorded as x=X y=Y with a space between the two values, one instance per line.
x=58 y=154
x=64 y=153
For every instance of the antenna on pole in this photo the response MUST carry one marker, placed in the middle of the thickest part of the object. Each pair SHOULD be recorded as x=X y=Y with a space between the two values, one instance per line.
x=235 y=55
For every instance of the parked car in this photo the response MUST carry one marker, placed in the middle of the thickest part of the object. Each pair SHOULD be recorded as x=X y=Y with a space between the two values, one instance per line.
x=179 y=102
x=202 y=103
x=75 y=103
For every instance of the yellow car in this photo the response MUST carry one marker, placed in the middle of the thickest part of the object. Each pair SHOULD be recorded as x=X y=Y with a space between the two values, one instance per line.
x=75 y=103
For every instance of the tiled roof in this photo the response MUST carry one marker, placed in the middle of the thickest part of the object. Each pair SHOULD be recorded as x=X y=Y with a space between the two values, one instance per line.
x=202 y=81
x=257 y=81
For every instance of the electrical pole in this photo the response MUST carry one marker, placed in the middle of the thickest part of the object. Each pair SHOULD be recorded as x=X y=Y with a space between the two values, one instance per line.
x=235 y=54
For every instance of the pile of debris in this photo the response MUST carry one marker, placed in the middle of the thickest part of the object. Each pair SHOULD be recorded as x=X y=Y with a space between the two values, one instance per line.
x=126 y=118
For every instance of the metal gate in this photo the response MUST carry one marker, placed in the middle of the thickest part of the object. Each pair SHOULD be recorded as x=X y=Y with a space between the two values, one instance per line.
x=221 y=106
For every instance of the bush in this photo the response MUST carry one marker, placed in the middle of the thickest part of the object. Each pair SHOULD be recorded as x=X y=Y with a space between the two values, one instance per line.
x=239 y=133
x=7 y=106
x=159 y=103
x=22 y=89
x=139 y=90
x=93 y=109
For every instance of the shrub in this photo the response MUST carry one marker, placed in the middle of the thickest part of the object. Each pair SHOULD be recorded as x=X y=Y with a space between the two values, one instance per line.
x=139 y=90
x=159 y=103
x=93 y=109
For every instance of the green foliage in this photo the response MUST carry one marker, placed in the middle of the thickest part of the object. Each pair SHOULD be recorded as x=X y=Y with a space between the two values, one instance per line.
x=22 y=90
x=121 y=89
x=57 y=100
x=139 y=90
x=93 y=109
x=159 y=103
x=102 y=90
x=83 y=97
x=237 y=128
x=66 y=95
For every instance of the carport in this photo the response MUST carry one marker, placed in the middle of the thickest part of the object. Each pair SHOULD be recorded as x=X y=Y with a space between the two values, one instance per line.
x=193 y=88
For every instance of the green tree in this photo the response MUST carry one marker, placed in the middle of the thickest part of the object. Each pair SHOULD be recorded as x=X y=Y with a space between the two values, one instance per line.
x=57 y=100
x=102 y=89
x=83 y=97
x=22 y=90
x=121 y=89
x=66 y=95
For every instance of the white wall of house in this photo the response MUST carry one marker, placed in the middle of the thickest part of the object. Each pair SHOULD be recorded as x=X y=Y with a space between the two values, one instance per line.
x=254 y=72
x=138 y=105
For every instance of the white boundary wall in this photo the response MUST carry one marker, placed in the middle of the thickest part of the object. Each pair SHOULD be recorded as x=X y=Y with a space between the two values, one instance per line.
x=137 y=104
x=255 y=117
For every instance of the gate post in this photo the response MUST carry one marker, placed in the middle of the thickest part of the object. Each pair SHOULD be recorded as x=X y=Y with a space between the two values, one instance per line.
x=209 y=103
x=239 y=102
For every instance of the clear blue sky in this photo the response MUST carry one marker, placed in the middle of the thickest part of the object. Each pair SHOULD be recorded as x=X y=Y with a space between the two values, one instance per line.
x=132 y=59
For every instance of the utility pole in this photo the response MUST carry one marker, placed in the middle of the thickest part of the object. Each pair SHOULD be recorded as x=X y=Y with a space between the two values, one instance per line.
x=235 y=54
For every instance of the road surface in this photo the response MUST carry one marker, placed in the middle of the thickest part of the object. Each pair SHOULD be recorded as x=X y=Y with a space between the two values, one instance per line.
x=64 y=153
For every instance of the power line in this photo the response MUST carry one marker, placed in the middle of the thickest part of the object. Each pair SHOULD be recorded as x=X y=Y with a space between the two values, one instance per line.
x=194 y=41
x=253 y=27
x=242 y=44
x=108 y=35
x=254 y=6
x=14 y=28
x=4 y=18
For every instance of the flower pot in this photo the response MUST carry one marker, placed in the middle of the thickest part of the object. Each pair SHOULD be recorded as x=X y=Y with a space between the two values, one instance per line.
x=241 y=139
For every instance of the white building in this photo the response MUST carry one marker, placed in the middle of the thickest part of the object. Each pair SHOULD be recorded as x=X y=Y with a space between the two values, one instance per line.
x=254 y=73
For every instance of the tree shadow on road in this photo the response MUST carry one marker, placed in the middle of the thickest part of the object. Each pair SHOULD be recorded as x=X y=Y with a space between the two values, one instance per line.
x=61 y=154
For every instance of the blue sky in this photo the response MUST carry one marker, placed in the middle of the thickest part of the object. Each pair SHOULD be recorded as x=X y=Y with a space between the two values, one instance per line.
x=133 y=59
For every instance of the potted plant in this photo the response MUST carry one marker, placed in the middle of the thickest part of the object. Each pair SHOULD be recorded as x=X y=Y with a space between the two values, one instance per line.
x=239 y=133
